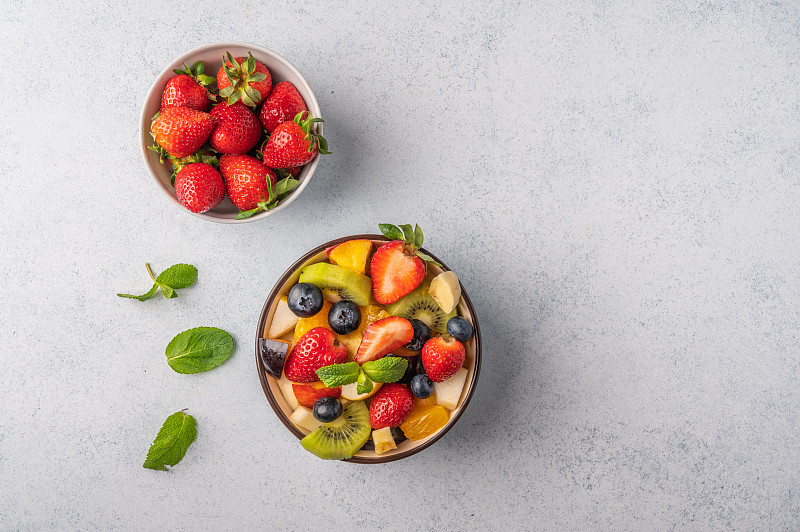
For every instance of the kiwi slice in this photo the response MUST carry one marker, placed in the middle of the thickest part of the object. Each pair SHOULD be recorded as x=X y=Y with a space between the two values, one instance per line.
x=338 y=283
x=421 y=306
x=343 y=437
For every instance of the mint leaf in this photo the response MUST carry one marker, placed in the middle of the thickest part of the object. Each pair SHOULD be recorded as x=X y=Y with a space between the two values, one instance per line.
x=392 y=232
x=386 y=369
x=418 y=238
x=176 y=435
x=427 y=258
x=335 y=375
x=364 y=384
x=143 y=297
x=175 y=277
x=199 y=349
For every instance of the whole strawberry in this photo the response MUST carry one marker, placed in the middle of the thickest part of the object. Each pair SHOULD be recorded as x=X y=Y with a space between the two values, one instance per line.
x=199 y=187
x=187 y=89
x=397 y=267
x=283 y=103
x=317 y=348
x=442 y=357
x=294 y=143
x=181 y=131
x=390 y=406
x=246 y=180
x=236 y=129
x=243 y=79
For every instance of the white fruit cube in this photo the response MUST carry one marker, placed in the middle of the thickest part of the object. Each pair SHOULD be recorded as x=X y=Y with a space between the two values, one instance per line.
x=283 y=321
x=449 y=392
x=384 y=441
x=287 y=391
x=304 y=417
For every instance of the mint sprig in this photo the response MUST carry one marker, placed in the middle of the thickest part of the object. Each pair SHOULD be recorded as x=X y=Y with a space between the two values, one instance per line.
x=412 y=239
x=176 y=277
x=387 y=369
x=173 y=439
x=199 y=349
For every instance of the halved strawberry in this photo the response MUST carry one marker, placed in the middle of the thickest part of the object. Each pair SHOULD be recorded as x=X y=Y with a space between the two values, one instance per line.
x=382 y=337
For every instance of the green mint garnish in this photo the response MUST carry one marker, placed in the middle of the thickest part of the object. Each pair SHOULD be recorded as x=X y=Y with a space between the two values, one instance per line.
x=338 y=374
x=364 y=383
x=386 y=369
x=176 y=435
x=175 y=277
x=199 y=349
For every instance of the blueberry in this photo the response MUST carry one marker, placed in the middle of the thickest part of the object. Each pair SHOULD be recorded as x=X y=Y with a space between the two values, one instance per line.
x=344 y=317
x=398 y=435
x=421 y=386
x=305 y=299
x=326 y=409
x=459 y=328
x=422 y=333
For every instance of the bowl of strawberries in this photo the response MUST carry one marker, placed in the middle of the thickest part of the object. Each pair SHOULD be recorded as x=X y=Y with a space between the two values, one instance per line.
x=368 y=347
x=231 y=132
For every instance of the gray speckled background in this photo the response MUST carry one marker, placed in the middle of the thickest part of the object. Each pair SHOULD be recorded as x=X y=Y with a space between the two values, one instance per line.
x=617 y=186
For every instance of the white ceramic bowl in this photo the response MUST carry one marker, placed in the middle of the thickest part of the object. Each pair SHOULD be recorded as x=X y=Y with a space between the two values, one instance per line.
x=280 y=69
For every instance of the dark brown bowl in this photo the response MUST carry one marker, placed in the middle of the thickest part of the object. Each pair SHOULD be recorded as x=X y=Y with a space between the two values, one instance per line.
x=275 y=395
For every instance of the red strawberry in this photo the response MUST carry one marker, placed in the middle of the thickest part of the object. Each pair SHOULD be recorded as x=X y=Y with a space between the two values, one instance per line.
x=246 y=180
x=181 y=131
x=317 y=348
x=236 y=129
x=199 y=187
x=294 y=143
x=442 y=358
x=183 y=91
x=390 y=406
x=293 y=171
x=397 y=267
x=283 y=103
x=243 y=79
x=307 y=394
x=382 y=337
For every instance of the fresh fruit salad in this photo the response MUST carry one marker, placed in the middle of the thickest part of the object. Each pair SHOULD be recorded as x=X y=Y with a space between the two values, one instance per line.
x=368 y=347
x=245 y=137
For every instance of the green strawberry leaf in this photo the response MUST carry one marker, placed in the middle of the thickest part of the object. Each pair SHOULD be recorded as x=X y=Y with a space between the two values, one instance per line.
x=427 y=258
x=199 y=349
x=335 y=375
x=364 y=383
x=258 y=76
x=392 y=232
x=204 y=79
x=418 y=238
x=173 y=439
x=408 y=233
x=386 y=369
x=143 y=297
x=286 y=185
x=247 y=214
x=227 y=91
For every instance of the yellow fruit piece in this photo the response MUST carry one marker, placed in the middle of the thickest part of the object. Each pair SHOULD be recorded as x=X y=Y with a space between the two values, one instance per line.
x=352 y=254
x=424 y=420
x=384 y=441
x=320 y=319
x=353 y=340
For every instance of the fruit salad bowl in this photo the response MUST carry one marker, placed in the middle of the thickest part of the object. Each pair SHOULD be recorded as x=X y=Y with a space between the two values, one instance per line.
x=284 y=395
x=212 y=56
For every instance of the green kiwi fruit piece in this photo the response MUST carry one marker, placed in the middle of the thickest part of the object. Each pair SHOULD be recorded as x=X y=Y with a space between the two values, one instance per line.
x=419 y=305
x=343 y=437
x=338 y=283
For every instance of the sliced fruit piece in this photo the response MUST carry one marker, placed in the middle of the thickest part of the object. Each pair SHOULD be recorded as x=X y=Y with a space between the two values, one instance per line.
x=307 y=394
x=382 y=337
x=320 y=319
x=349 y=392
x=424 y=420
x=352 y=254
x=446 y=291
x=419 y=305
x=395 y=270
x=448 y=392
x=383 y=440
x=304 y=417
x=288 y=394
x=342 y=438
x=273 y=355
x=283 y=320
x=369 y=314
x=338 y=283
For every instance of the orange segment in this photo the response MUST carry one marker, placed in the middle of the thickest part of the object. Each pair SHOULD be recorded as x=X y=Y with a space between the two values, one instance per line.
x=352 y=254
x=424 y=420
x=320 y=319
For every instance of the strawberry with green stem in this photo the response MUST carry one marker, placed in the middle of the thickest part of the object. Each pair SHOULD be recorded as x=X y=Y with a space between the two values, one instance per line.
x=398 y=267
x=180 y=131
x=188 y=89
x=243 y=79
x=294 y=143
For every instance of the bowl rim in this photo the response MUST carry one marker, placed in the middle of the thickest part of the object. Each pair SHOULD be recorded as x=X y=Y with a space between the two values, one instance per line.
x=156 y=87
x=273 y=402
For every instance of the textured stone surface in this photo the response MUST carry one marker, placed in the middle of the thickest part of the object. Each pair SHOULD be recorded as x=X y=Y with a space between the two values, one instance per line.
x=617 y=184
